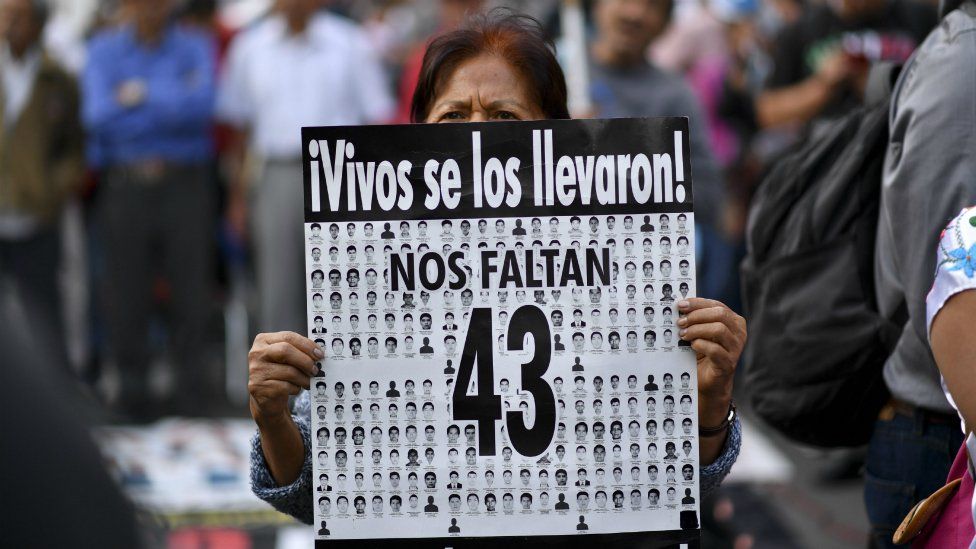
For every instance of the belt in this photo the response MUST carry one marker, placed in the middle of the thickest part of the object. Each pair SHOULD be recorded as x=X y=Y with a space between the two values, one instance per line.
x=900 y=407
x=282 y=160
x=150 y=172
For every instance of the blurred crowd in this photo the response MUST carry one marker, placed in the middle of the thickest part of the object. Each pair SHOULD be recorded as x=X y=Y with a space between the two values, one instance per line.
x=151 y=154
x=150 y=150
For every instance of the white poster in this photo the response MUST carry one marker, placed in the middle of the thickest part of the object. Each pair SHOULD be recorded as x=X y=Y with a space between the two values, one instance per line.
x=497 y=307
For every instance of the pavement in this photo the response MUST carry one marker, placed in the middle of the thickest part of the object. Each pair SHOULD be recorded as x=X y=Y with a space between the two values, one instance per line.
x=780 y=499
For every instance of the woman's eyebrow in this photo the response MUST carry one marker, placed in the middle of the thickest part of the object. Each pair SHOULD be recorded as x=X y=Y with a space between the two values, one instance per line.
x=501 y=103
x=456 y=103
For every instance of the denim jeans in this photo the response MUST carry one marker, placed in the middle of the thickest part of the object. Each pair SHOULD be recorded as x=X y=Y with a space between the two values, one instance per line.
x=908 y=459
x=32 y=265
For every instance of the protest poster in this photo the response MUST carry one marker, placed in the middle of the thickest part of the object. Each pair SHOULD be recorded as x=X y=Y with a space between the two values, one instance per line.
x=497 y=306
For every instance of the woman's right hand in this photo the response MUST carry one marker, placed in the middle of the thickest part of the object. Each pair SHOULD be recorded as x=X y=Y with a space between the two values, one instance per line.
x=279 y=365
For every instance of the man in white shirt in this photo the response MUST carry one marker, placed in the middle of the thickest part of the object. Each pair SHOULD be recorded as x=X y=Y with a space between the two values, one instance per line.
x=299 y=67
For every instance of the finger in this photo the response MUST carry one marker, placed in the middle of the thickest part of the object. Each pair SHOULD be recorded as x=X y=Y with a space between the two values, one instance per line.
x=715 y=332
x=269 y=391
x=295 y=389
x=286 y=353
x=302 y=343
x=715 y=352
x=696 y=303
x=704 y=316
x=735 y=323
x=282 y=386
x=287 y=373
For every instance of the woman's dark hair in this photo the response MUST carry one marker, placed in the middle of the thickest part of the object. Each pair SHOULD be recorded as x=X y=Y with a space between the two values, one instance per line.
x=517 y=38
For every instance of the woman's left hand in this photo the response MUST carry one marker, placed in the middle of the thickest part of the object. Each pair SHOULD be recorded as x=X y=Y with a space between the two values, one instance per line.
x=717 y=334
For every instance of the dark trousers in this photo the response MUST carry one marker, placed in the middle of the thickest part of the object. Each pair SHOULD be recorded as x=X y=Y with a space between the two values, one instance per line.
x=149 y=225
x=31 y=266
x=908 y=459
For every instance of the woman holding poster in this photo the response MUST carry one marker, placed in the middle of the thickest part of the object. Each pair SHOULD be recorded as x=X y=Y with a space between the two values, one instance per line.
x=500 y=67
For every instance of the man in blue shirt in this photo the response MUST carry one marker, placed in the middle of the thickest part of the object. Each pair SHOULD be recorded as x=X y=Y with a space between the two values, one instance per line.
x=148 y=97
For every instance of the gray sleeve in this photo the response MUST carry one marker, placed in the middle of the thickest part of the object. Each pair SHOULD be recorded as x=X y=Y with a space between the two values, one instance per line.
x=294 y=499
x=714 y=473
x=930 y=174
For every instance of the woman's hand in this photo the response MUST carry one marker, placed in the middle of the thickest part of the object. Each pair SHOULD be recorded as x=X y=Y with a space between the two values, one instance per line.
x=717 y=334
x=279 y=365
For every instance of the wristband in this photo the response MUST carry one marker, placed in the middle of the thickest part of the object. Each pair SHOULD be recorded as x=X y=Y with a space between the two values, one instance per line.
x=715 y=431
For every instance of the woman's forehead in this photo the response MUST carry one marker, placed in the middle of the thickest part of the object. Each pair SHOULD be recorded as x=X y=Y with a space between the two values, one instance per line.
x=487 y=79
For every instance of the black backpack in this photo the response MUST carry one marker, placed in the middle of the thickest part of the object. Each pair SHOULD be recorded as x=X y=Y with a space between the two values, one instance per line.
x=817 y=344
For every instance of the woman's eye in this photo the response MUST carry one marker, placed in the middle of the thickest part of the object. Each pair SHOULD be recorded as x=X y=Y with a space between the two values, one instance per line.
x=453 y=115
x=506 y=115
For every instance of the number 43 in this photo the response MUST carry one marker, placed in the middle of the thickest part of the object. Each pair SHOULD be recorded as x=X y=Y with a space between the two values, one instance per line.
x=485 y=407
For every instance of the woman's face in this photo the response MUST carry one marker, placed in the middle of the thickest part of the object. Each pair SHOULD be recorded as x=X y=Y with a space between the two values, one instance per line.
x=483 y=89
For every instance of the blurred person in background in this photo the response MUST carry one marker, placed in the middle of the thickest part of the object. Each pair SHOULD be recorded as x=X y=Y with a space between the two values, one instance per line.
x=695 y=46
x=820 y=62
x=394 y=26
x=715 y=45
x=626 y=84
x=929 y=175
x=301 y=66
x=201 y=15
x=41 y=164
x=64 y=36
x=731 y=88
x=450 y=14
x=148 y=93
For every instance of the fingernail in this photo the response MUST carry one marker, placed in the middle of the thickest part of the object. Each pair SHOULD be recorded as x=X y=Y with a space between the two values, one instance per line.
x=682 y=332
x=318 y=368
x=682 y=321
x=318 y=353
x=684 y=304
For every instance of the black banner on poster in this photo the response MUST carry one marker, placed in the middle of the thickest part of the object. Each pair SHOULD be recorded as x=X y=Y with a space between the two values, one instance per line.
x=575 y=167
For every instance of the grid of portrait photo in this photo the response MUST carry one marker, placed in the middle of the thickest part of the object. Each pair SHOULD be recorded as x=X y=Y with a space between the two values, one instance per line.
x=402 y=307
